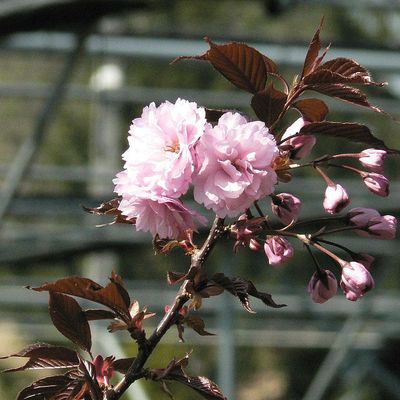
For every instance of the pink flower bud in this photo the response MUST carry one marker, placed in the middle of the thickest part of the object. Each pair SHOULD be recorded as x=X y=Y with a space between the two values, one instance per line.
x=360 y=216
x=336 y=198
x=377 y=184
x=301 y=144
x=356 y=280
x=373 y=159
x=322 y=286
x=382 y=227
x=277 y=249
x=286 y=207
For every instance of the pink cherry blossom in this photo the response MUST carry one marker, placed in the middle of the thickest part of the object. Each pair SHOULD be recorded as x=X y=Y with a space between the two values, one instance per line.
x=373 y=159
x=301 y=144
x=286 y=207
x=234 y=165
x=278 y=250
x=162 y=216
x=356 y=280
x=336 y=198
x=317 y=288
x=377 y=184
x=160 y=157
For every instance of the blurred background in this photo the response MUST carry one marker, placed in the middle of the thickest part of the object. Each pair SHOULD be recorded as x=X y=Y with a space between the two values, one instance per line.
x=73 y=74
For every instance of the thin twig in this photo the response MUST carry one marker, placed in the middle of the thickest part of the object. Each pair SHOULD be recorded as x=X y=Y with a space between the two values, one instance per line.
x=145 y=349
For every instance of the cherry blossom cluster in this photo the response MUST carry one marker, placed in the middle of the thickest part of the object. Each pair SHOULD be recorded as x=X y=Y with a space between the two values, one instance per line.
x=172 y=147
x=232 y=164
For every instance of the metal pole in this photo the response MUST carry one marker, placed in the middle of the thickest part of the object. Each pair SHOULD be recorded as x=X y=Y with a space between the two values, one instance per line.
x=26 y=153
x=336 y=355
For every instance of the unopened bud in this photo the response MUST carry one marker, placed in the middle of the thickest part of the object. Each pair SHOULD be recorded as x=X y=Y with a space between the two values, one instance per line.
x=278 y=250
x=377 y=184
x=286 y=207
x=300 y=145
x=336 y=198
x=373 y=159
x=322 y=286
x=356 y=280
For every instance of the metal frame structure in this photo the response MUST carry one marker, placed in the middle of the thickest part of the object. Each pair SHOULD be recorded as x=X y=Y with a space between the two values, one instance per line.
x=364 y=327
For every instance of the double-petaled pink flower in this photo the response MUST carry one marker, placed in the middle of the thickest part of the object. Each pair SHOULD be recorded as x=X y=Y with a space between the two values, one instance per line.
x=234 y=165
x=159 y=165
x=163 y=216
x=160 y=157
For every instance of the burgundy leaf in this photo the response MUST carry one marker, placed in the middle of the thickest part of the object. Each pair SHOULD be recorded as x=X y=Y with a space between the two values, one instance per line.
x=122 y=364
x=268 y=104
x=350 y=69
x=45 y=388
x=242 y=289
x=95 y=315
x=89 y=374
x=343 y=92
x=113 y=295
x=241 y=64
x=312 y=60
x=266 y=298
x=321 y=76
x=350 y=131
x=197 y=324
x=45 y=350
x=175 y=277
x=235 y=286
x=59 y=357
x=313 y=110
x=110 y=208
x=204 y=386
x=69 y=319
x=75 y=390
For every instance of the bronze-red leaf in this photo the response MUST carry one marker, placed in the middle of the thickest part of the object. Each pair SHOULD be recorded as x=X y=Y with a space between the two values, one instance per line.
x=122 y=364
x=112 y=295
x=69 y=319
x=45 y=388
x=346 y=130
x=343 y=92
x=312 y=60
x=95 y=315
x=201 y=384
x=313 y=110
x=268 y=104
x=197 y=324
x=241 y=64
x=351 y=70
x=43 y=355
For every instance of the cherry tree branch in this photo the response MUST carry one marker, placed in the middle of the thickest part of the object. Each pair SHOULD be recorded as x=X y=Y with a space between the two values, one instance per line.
x=146 y=347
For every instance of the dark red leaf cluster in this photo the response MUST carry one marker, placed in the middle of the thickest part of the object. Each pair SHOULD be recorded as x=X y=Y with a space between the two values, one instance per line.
x=175 y=372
